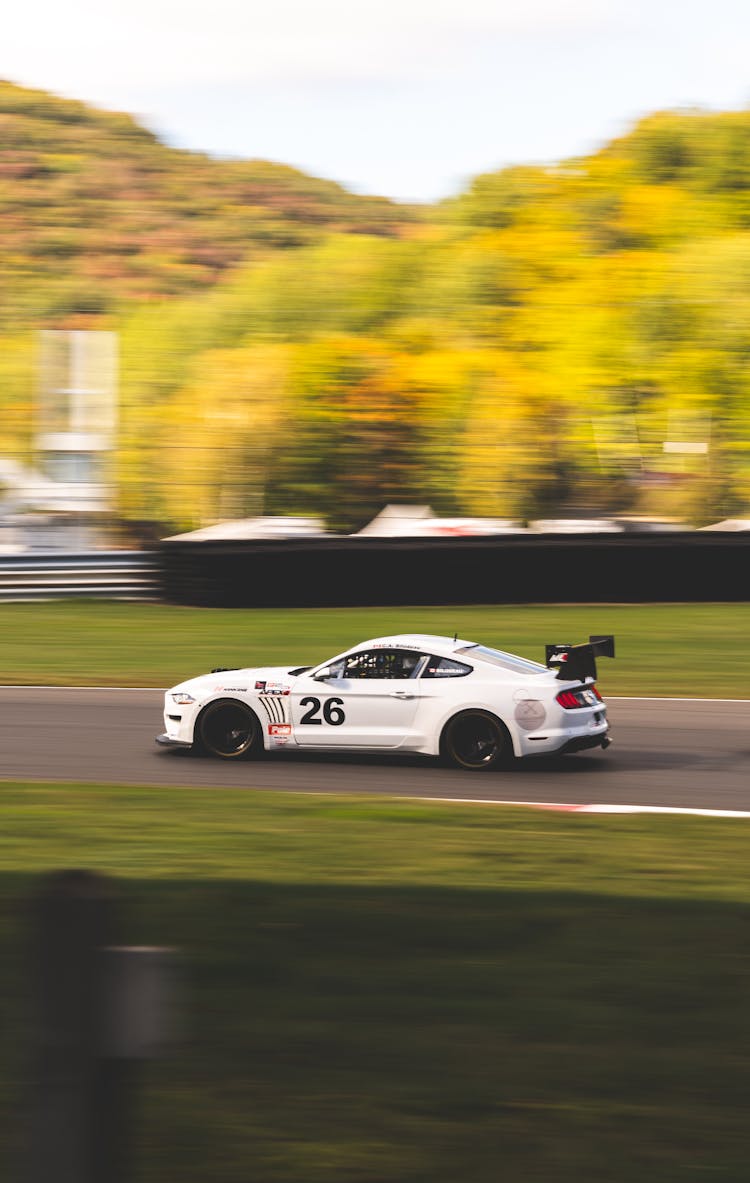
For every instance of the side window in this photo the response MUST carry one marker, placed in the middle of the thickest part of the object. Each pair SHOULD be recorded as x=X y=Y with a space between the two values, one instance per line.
x=445 y=667
x=382 y=663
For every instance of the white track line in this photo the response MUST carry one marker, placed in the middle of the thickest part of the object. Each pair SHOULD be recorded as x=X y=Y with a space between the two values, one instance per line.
x=563 y=807
x=664 y=809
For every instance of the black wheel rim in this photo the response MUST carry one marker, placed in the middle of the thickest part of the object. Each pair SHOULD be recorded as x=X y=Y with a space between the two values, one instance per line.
x=227 y=731
x=475 y=741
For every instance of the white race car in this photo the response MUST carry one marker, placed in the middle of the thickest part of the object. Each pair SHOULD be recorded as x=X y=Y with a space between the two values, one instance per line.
x=476 y=707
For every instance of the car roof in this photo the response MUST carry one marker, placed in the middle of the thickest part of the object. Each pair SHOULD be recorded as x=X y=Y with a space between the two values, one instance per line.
x=447 y=647
x=425 y=642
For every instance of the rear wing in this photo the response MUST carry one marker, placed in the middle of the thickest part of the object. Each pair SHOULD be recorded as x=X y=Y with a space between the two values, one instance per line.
x=578 y=661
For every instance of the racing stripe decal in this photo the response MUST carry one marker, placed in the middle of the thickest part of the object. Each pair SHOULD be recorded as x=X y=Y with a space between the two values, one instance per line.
x=275 y=707
x=269 y=715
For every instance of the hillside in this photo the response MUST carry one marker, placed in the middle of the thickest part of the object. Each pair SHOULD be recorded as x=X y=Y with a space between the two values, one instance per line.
x=94 y=210
x=563 y=339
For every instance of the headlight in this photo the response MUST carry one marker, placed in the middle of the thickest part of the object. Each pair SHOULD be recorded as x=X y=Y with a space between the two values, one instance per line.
x=182 y=699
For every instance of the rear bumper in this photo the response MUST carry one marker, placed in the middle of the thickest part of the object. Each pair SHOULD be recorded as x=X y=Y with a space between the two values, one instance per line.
x=167 y=742
x=576 y=731
x=580 y=743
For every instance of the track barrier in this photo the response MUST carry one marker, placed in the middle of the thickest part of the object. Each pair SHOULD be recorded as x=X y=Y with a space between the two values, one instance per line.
x=350 y=572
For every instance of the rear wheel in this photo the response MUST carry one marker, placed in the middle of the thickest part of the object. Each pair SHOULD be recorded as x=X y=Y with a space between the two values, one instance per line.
x=229 y=730
x=475 y=740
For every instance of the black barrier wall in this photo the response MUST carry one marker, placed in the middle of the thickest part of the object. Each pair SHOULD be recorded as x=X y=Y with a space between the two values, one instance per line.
x=347 y=572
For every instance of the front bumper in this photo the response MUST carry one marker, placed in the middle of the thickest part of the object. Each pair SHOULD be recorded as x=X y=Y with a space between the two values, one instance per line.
x=168 y=742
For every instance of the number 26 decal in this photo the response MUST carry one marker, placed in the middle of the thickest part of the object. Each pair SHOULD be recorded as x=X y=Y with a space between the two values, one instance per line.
x=332 y=712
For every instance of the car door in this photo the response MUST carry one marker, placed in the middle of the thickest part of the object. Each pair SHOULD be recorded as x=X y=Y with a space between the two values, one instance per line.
x=369 y=701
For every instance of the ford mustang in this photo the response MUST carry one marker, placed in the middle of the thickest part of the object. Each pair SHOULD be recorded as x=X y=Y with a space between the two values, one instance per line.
x=474 y=706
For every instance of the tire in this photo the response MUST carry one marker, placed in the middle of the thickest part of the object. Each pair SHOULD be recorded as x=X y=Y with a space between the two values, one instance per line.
x=476 y=741
x=230 y=730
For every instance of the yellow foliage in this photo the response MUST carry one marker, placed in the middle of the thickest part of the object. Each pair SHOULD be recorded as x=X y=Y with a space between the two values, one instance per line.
x=223 y=428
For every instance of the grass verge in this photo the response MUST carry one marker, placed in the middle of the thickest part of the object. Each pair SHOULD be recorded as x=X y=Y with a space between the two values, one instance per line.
x=405 y=992
x=663 y=649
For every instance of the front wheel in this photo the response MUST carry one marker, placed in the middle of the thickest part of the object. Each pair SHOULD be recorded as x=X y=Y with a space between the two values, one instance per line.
x=229 y=730
x=475 y=740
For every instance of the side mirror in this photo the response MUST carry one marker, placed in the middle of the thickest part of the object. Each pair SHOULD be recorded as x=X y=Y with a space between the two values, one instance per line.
x=322 y=674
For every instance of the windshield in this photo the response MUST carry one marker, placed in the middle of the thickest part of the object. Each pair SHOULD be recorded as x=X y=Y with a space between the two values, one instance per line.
x=506 y=661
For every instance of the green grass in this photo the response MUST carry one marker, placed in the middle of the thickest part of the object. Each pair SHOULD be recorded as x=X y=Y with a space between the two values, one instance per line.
x=664 y=649
x=402 y=992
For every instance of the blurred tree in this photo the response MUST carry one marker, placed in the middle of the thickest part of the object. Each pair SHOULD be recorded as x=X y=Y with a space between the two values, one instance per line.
x=356 y=440
x=223 y=429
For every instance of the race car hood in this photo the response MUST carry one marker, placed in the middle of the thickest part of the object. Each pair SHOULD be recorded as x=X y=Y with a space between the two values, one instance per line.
x=260 y=680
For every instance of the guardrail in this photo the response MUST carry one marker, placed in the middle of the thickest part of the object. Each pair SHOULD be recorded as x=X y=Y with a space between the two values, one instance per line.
x=121 y=574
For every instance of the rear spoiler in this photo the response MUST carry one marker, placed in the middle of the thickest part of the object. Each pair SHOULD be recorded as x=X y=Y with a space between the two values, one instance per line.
x=578 y=661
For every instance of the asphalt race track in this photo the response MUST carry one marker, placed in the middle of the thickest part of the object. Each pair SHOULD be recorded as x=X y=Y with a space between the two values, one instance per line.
x=685 y=753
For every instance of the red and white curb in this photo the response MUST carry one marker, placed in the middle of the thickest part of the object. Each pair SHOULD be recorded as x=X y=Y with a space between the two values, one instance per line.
x=564 y=807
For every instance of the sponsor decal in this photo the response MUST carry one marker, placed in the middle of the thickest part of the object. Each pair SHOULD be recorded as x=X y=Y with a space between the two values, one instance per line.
x=276 y=688
x=279 y=733
x=232 y=689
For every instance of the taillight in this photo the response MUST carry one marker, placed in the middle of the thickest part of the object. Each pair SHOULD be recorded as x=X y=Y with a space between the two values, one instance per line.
x=572 y=699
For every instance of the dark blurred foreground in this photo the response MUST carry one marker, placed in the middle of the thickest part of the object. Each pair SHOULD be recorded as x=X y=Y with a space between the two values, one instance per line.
x=403 y=1035
x=99 y=1009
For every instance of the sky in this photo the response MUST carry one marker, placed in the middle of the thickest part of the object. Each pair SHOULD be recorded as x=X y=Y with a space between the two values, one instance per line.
x=405 y=98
